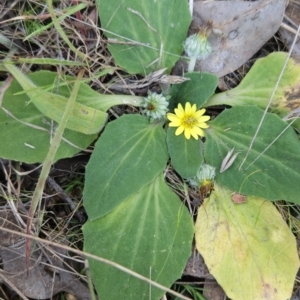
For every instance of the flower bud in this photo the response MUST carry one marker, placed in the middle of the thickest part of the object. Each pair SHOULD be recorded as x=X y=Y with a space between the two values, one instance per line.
x=205 y=175
x=155 y=105
x=204 y=180
x=197 y=46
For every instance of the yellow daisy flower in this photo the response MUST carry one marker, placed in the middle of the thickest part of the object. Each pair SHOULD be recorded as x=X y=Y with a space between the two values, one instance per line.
x=188 y=120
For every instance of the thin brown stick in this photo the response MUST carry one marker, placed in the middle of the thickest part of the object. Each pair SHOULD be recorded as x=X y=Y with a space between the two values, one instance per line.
x=100 y=259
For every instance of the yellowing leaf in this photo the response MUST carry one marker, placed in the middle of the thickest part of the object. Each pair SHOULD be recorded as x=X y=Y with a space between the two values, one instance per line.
x=247 y=247
x=257 y=87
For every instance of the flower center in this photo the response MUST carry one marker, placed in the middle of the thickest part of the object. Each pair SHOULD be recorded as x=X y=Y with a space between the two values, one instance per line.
x=151 y=106
x=189 y=121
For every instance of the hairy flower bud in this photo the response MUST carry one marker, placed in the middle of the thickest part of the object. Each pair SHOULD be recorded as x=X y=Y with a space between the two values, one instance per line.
x=197 y=46
x=155 y=105
x=206 y=174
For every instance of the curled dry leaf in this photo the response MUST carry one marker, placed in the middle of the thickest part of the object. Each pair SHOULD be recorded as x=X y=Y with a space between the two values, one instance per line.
x=154 y=77
x=228 y=160
x=238 y=29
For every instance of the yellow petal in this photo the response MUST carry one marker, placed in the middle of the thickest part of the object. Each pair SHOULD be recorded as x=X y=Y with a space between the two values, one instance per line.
x=202 y=125
x=188 y=108
x=179 y=111
x=172 y=117
x=198 y=131
x=203 y=119
x=194 y=134
x=200 y=112
x=194 y=108
x=180 y=107
x=179 y=130
x=187 y=133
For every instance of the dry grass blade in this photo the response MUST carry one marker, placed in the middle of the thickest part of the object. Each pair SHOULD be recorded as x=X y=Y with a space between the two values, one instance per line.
x=61 y=32
x=37 y=195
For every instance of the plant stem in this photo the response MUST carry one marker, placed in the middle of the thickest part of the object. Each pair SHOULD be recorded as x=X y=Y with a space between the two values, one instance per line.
x=191 y=5
x=192 y=64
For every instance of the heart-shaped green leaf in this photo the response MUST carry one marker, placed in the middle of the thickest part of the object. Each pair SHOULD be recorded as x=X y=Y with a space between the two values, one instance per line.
x=150 y=233
x=271 y=169
x=247 y=247
x=145 y=36
x=128 y=155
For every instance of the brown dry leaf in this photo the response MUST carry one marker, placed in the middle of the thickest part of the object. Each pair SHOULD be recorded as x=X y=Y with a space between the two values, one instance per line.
x=292 y=20
x=239 y=30
x=47 y=275
x=212 y=290
x=196 y=267
x=238 y=198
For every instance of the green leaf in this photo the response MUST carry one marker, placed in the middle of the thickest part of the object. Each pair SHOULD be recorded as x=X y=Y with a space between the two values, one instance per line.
x=197 y=90
x=82 y=119
x=25 y=133
x=150 y=233
x=148 y=35
x=130 y=153
x=257 y=86
x=186 y=155
x=86 y=95
x=275 y=174
x=247 y=247
x=50 y=95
